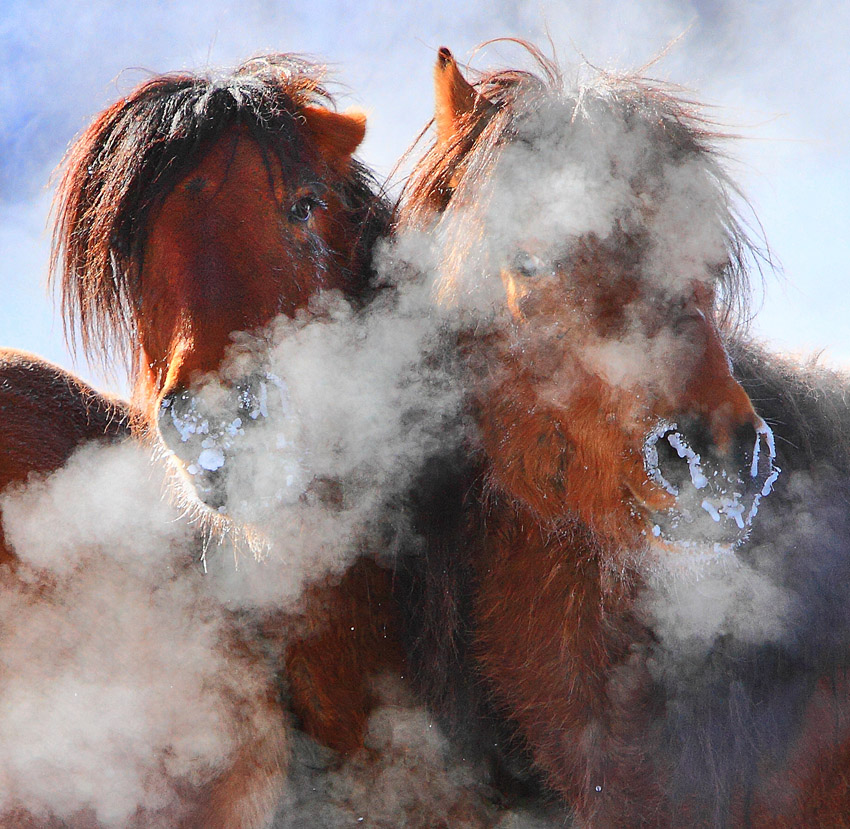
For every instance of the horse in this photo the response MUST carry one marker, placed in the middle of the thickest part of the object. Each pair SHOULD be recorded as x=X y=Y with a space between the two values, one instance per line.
x=191 y=215
x=633 y=586
x=48 y=415
x=191 y=209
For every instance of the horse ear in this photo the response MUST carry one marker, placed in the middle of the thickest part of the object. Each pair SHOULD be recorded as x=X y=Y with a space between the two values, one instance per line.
x=457 y=104
x=337 y=134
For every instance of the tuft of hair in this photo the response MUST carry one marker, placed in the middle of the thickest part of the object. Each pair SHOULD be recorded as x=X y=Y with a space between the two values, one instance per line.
x=807 y=405
x=677 y=125
x=133 y=154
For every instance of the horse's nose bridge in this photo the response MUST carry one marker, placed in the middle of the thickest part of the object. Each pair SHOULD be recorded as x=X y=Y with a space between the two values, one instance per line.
x=715 y=399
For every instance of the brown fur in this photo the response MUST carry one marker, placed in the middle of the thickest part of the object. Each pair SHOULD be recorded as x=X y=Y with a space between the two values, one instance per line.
x=542 y=546
x=173 y=232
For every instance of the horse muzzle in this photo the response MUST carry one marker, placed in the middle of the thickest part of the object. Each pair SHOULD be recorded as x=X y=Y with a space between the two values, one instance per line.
x=717 y=493
x=234 y=444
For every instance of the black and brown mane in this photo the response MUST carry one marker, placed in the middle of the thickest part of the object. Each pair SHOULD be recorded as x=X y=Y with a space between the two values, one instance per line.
x=134 y=152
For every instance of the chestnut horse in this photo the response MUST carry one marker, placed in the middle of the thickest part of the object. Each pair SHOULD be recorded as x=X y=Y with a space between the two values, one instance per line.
x=188 y=211
x=46 y=414
x=610 y=579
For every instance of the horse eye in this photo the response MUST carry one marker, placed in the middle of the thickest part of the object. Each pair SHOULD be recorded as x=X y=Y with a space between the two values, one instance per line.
x=304 y=207
x=527 y=264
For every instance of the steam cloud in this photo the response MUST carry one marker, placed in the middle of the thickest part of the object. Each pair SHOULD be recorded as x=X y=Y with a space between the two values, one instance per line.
x=117 y=684
x=119 y=681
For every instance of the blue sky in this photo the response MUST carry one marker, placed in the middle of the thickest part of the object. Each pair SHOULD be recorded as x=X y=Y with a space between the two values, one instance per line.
x=778 y=72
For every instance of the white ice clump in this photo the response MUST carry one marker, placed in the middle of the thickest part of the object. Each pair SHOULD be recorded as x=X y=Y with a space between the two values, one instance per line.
x=734 y=509
x=650 y=455
x=681 y=446
x=211 y=459
x=710 y=509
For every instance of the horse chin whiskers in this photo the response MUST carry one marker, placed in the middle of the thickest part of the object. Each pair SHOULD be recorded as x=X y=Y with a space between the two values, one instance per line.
x=215 y=527
x=687 y=561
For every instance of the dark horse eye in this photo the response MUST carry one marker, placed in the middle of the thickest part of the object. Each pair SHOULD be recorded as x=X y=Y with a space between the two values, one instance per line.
x=527 y=264
x=303 y=208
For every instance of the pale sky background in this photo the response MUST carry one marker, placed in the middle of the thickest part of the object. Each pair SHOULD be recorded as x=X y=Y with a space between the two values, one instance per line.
x=778 y=72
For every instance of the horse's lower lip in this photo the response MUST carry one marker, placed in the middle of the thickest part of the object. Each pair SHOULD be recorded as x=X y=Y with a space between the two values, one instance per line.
x=703 y=529
x=687 y=559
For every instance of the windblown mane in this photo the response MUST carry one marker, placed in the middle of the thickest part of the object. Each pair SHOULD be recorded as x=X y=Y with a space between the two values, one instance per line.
x=679 y=130
x=131 y=156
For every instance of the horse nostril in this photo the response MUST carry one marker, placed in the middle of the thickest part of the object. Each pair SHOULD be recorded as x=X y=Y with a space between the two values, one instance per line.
x=178 y=419
x=717 y=490
x=671 y=459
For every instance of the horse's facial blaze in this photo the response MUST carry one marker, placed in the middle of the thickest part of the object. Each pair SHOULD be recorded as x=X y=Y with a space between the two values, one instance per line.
x=237 y=242
x=656 y=440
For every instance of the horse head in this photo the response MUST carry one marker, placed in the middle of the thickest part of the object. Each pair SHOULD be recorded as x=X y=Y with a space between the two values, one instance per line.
x=191 y=214
x=602 y=225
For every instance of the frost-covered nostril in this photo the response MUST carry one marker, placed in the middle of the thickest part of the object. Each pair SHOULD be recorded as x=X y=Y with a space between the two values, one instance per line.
x=670 y=459
x=717 y=492
x=214 y=432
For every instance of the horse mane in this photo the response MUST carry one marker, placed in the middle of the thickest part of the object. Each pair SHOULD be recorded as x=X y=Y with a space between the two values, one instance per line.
x=806 y=404
x=132 y=155
x=678 y=125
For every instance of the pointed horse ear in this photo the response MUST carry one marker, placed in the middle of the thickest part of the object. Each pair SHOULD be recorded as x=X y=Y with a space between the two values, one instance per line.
x=457 y=105
x=337 y=134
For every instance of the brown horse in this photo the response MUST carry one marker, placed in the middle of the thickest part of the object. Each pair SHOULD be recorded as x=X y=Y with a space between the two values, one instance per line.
x=47 y=415
x=190 y=210
x=607 y=581
x=191 y=215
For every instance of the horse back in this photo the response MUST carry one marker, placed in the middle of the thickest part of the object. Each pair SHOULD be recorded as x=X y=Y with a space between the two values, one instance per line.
x=45 y=414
